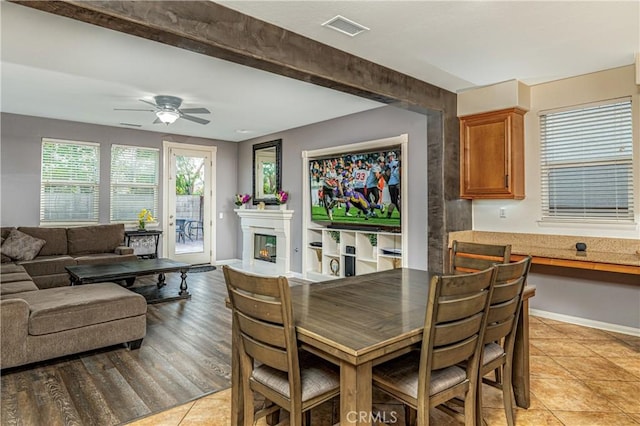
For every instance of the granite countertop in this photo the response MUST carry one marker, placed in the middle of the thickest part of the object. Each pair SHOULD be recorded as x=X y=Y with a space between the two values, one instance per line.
x=618 y=251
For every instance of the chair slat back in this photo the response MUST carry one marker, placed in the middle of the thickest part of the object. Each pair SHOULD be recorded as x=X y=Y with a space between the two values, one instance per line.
x=471 y=257
x=264 y=318
x=506 y=299
x=455 y=319
x=455 y=349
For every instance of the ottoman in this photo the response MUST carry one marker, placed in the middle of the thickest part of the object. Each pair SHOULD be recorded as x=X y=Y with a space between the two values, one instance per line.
x=44 y=324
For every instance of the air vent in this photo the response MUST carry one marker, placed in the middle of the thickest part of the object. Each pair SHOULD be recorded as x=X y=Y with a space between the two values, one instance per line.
x=345 y=26
x=131 y=124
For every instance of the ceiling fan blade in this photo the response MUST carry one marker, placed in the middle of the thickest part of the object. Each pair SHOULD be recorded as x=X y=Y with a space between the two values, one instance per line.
x=133 y=109
x=150 y=103
x=194 y=119
x=195 y=111
x=156 y=121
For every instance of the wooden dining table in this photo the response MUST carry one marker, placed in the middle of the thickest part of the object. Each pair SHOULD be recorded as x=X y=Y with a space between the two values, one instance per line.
x=361 y=321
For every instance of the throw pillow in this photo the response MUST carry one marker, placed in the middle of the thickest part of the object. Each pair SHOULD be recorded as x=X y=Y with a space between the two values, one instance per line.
x=21 y=246
x=4 y=258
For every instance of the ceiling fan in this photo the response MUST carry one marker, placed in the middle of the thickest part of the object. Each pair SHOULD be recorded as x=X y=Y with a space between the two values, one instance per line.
x=167 y=110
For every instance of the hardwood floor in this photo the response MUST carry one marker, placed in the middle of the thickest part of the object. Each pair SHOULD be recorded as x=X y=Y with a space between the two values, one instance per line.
x=185 y=355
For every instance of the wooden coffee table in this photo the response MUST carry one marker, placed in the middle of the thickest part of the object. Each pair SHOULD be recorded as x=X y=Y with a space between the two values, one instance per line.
x=128 y=271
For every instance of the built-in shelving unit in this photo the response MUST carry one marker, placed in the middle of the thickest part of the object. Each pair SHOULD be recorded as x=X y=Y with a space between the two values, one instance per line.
x=332 y=253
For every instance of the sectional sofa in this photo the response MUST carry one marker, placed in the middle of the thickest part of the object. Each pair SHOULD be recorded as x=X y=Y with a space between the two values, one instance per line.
x=42 y=316
x=64 y=247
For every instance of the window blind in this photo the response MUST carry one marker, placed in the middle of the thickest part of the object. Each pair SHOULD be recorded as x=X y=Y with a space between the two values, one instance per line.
x=69 y=182
x=134 y=182
x=587 y=163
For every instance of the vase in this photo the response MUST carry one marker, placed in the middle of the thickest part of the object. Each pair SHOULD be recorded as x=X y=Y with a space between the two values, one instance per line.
x=242 y=206
x=283 y=206
x=141 y=225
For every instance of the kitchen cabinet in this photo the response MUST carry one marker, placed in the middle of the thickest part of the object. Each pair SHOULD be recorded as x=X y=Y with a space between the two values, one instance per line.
x=492 y=155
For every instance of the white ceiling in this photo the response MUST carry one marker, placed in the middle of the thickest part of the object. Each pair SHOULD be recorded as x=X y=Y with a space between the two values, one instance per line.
x=60 y=68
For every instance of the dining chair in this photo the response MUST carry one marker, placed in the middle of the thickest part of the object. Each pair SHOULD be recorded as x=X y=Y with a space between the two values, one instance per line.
x=270 y=361
x=499 y=335
x=473 y=257
x=454 y=325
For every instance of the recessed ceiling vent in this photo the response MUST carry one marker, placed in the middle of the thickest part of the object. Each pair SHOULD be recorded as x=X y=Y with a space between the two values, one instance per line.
x=345 y=26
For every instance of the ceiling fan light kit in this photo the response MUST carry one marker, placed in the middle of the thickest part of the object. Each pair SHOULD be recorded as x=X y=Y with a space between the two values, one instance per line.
x=167 y=116
x=167 y=110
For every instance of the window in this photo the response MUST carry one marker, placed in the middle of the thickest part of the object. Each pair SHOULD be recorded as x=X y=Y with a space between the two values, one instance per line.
x=134 y=182
x=587 y=163
x=69 y=185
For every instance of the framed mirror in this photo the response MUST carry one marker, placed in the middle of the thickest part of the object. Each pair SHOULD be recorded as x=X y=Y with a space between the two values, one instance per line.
x=267 y=181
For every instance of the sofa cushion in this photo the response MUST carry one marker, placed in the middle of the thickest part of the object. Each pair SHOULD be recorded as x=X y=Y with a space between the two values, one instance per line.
x=94 y=239
x=21 y=246
x=104 y=258
x=56 y=239
x=17 y=287
x=47 y=265
x=10 y=268
x=51 y=281
x=14 y=276
x=65 y=308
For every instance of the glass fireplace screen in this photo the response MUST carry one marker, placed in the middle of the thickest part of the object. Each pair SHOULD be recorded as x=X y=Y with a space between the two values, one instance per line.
x=264 y=247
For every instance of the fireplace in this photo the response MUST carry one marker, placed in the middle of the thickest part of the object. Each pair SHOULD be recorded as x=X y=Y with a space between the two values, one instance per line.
x=266 y=241
x=264 y=247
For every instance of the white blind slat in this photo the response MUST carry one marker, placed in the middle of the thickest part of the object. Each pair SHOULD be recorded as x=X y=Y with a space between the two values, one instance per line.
x=587 y=163
x=70 y=181
x=134 y=181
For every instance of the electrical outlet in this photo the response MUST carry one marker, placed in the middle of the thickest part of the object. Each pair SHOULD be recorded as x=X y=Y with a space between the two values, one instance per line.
x=503 y=212
x=221 y=215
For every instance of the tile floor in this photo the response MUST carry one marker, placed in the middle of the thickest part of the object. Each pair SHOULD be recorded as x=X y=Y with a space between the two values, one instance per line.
x=579 y=377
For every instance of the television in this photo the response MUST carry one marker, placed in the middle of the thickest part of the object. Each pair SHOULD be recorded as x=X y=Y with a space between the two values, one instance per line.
x=357 y=190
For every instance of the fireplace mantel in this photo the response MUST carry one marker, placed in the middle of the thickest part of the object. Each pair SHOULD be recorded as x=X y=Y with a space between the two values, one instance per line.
x=271 y=222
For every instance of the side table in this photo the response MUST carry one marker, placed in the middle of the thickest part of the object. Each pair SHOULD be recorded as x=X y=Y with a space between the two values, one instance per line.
x=144 y=242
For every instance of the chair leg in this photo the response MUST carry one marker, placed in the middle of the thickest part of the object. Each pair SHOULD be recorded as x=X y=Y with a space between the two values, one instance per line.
x=507 y=394
x=249 y=415
x=470 y=408
x=273 y=418
x=478 y=410
x=410 y=416
x=498 y=373
x=307 y=418
x=295 y=418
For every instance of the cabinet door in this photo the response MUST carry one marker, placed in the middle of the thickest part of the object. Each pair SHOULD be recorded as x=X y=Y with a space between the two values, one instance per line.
x=491 y=154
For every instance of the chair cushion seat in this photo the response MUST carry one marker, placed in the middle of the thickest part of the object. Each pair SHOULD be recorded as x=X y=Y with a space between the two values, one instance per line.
x=492 y=351
x=317 y=377
x=402 y=373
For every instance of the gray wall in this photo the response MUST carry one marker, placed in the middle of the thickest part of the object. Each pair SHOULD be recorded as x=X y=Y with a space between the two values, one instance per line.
x=20 y=149
x=370 y=125
x=594 y=295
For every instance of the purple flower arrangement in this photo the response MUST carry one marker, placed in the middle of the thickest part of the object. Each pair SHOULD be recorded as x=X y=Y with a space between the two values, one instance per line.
x=242 y=199
x=282 y=197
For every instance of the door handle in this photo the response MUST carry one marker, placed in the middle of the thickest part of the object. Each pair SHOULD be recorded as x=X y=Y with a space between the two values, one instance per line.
x=170 y=223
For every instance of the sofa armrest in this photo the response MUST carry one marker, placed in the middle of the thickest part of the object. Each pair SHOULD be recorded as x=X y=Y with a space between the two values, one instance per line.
x=14 y=326
x=123 y=250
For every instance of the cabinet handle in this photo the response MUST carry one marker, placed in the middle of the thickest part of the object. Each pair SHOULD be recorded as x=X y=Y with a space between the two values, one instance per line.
x=506 y=181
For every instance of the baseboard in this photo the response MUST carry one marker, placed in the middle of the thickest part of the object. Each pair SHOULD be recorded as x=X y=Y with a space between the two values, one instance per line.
x=623 y=329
